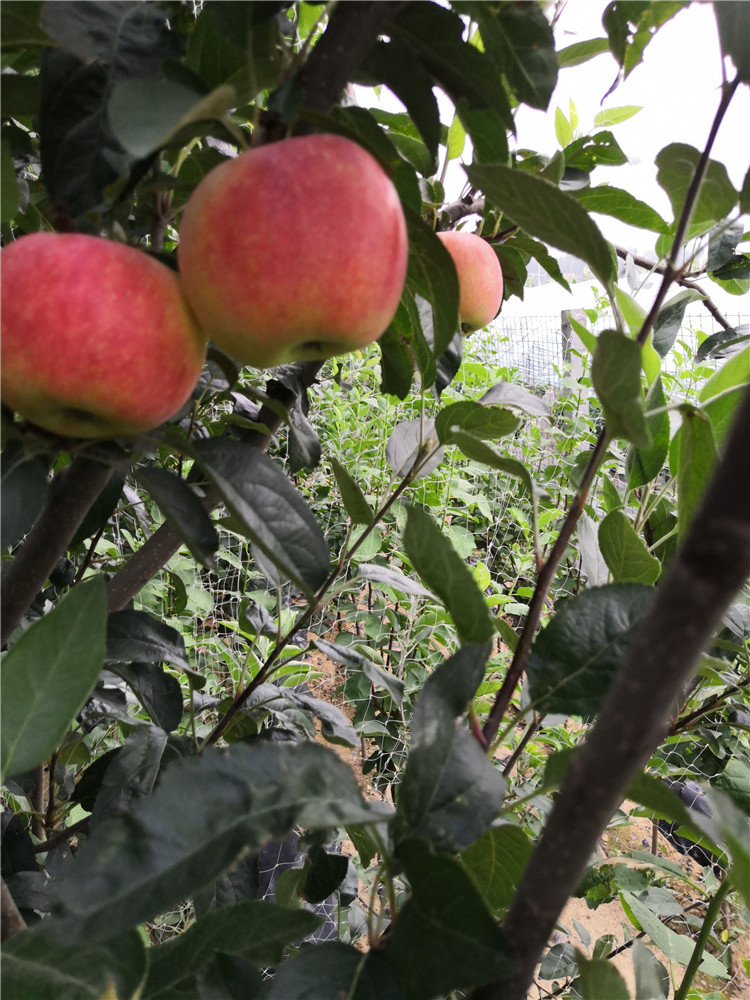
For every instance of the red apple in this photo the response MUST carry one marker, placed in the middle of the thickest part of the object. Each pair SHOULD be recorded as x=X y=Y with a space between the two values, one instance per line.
x=480 y=278
x=294 y=251
x=97 y=339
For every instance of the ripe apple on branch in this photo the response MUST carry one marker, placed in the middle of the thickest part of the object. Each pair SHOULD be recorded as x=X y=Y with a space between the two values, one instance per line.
x=480 y=278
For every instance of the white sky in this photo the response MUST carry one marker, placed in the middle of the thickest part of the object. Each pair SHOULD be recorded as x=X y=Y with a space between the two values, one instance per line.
x=677 y=85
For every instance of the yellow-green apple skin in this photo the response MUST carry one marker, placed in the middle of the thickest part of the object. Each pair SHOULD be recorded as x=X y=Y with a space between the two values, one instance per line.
x=294 y=251
x=97 y=338
x=480 y=278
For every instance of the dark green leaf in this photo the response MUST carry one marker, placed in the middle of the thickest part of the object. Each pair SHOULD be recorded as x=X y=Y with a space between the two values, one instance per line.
x=335 y=969
x=239 y=798
x=9 y=193
x=581 y=52
x=631 y=24
x=734 y=781
x=20 y=25
x=409 y=446
x=519 y=40
x=445 y=573
x=463 y=952
x=131 y=774
x=496 y=862
x=488 y=136
x=449 y=363
x=183 y=510
x=616 y=373
x=621 y=205
x=675 y=946
x=433 y=275
x=508 y=394
x=304 y=443
x=335 y=727
x=651 y=978
x=258 y=931
x=484 y=421
x=599 y=978
x=545 y=212
x=356 y=506
x=450 y=792
x=643 y=465
x=669 y=321
x=435 y=36
x=625 y=552
x=574 y=659
x=737 y=268
x=160 y=693
x=272 y=513
x=676 y=166
x=34 y=967
x=101 y=509
x=323 y=873
x=137 y=635
x=353 y=660
x=513 y=263
x=24 y=491
x=598 y=150
x=723 y=240
x=745 y=194
x=733 y=825
x=733 y=20
x=48 y=675
x=145 y=115
x=397 y=361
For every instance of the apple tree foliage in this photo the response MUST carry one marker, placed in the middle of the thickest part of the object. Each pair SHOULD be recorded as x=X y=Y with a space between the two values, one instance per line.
x=112 y=113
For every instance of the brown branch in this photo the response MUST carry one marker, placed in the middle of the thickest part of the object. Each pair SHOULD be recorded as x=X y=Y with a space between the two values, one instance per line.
x=702 y=580
x=71 y=494
x=11 y=921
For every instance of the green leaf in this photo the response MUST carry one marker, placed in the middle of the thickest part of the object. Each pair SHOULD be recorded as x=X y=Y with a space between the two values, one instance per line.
x=735 y=831
x=519 y=40
x=183 y=510
x=616 y=373
x=581 y=52
x=606 y=200
x=356 y=506
x=613 y=116
x=651 y=978
x=598 y=150
x=575 y=657
x=678 y=947
x=509 y=394
x=734 y=372
x=463 y=952
x=625 y=552
x=258 y=931
x=488 y=137
x=48 y=675
x=392 y=579
x=432 y=273
x=449 y=793
x=445 y=573
x=669 y=321
x=657 y=797
x=145 y=115
x=335 y=969
x=676 y=166
x=412 y=449
x=483 y=421
x=240 y=799
x=159 y=692
x=24 y=492
x=734 y=781
x=456 y=139
x=633 y=312
x=21 y=27
x=137 y=635
x=694 y=444
x=272 y=513
x=478 y=451
x=35 y=967
x=496 y=863
x=397 y=361
x=643 y=465
x=545 y=212
x=733 y=20
x=598 y=978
